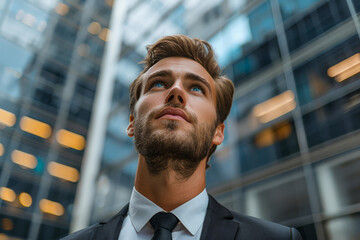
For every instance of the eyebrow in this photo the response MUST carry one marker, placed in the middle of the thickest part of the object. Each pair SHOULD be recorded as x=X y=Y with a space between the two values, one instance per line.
x=191 y=76
x=196 y=77
x=163 y=73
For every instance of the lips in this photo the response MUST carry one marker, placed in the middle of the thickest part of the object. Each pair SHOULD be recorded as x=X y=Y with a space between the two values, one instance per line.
x=176 y=112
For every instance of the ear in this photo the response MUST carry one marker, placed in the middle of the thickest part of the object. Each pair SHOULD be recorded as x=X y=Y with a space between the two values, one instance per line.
x=219 y=134
x=130 y=128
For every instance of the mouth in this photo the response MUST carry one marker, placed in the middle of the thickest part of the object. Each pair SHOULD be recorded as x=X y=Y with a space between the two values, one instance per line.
x=173 y=114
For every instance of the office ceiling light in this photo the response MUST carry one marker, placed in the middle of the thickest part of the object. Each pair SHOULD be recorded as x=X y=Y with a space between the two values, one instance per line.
x=70 y=139
x=110 y=3
x=62 y=9
x=51 y=207
x=41 y=26
x=83 y=50
x=64 y=172
x=283 y=131
x=94 y=28
x=275 y=107
x=19 y=15
x=104 y=35
x=7 y=119
x=24 y=159
x=1 y=150
x=3 y=236
x=7 y=225
x=29 y=20
x=25 y=199
x=345 y=69
x=35 y=127
x=7 y=194
x=265 y=138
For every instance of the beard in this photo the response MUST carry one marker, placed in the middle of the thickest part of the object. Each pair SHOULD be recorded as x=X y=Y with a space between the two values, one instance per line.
x=166 y=148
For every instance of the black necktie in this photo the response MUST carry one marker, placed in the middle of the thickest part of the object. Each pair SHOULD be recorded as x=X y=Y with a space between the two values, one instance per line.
x=163 y=224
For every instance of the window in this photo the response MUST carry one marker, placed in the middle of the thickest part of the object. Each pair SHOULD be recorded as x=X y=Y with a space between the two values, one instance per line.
x=312 y=78
x=315 y=23
x=261 y=21
x=252 y=61
x=293 y=7
x=25 y=24
x=333 y=120
x=346 y=228
x=288 y=192
x=268 y=146
x=228 y=43
x=339 y=182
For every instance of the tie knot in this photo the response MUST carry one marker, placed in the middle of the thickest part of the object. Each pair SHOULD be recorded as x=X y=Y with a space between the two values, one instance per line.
x=164 y=220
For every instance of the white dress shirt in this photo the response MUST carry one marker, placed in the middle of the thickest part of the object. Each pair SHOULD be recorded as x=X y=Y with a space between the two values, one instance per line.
x=191 y=215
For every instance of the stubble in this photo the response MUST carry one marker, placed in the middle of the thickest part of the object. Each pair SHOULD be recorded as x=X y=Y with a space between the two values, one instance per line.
x=167 y=148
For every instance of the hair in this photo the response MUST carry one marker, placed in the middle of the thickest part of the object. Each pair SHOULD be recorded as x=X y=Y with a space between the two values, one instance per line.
x=199 y=51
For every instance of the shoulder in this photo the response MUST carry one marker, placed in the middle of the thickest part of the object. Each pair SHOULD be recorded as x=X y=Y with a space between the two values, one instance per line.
x=259 y=229
x=107 y=229
x=251 y=227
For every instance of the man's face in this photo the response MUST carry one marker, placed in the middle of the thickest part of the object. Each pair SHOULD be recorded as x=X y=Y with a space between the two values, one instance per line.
x=175 y=116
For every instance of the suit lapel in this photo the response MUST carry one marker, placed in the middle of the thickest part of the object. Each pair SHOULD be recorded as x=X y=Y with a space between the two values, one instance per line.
x=218 y=222
x=110 y=229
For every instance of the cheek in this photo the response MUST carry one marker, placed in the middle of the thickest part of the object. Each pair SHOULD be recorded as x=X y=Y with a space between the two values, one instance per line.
x=147 y=103
x=205 y=111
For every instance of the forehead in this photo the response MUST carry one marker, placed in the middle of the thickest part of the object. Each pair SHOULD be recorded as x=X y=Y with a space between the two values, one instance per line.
x=180 y=66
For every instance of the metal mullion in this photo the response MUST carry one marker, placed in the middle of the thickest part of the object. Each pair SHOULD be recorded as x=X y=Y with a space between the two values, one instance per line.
x=5 y=12
x=354 y=16
x=62 y=116
x=15 y=139
x=298 y=121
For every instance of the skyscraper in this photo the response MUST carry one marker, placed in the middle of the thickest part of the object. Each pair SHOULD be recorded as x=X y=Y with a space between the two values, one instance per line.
x=291 y=152
x=51 y=53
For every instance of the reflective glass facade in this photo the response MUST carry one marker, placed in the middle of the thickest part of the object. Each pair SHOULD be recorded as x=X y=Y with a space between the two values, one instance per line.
x=291 y=152
x=292 y=146
x=50 y=58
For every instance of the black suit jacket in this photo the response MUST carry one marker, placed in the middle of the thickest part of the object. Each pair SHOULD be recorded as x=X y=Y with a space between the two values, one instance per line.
x=219 y=224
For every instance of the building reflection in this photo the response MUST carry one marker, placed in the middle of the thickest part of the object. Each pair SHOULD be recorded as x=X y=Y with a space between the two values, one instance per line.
x=49 y=67
x=294 y=123
x=291 y=152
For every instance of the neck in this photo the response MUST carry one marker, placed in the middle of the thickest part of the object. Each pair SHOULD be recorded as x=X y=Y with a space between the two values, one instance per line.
x=167 y=189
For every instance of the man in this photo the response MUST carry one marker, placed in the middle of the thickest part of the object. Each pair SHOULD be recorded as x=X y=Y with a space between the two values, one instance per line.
x=178 y=105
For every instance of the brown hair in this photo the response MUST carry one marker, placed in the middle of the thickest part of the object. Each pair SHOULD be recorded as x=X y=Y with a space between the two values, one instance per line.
x=197 y=50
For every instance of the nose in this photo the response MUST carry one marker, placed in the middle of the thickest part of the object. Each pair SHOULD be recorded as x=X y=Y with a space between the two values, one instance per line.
x=176 y=94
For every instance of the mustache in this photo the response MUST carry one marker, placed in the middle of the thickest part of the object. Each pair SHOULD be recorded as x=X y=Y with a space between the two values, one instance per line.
x=192 y=116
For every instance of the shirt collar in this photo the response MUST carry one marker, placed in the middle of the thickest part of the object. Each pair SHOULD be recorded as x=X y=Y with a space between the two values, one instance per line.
x=191 y=214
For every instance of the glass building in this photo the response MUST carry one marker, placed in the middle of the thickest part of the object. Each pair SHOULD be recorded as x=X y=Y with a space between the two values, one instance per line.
x=291 y=152
x=292 y=144
x=50 y=59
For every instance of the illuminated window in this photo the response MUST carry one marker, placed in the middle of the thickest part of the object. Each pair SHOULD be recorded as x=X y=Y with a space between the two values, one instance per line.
x=64 y=172
x=7 y=194
x=94 y=28
x=70 y=139
x=345 y=69
x=1 y=150
x=7 y=119
x=24 y=159
x=62 y=9
x=25 y=199
x=35 y=127
x=275 y=107
x=51 y=207
x=104 y=34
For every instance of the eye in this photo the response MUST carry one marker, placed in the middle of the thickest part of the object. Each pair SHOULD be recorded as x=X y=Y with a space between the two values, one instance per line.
x=197 y=89
x=157 y=84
